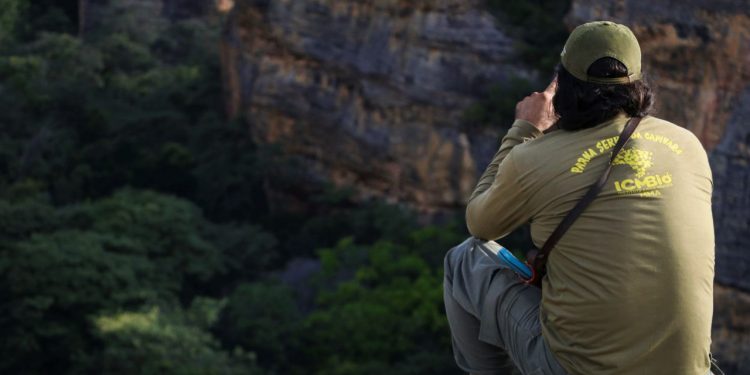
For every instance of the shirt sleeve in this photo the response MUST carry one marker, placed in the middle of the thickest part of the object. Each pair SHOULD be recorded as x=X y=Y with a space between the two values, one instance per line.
x=496 y=206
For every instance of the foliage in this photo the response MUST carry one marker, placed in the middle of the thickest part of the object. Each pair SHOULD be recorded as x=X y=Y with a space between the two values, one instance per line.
x=538 y=24
x=132 y=249
x=10 y=13
x=367 y=222
x=168 y=231
x=49 y=284
x=86 y=119
x=498 y=106
x=263 y=317
x=538 y=28
x=379 y=309
x=387 y=317
x=155 y=341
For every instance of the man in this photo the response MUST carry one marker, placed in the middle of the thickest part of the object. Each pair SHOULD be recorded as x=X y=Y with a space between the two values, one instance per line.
x=629 y=287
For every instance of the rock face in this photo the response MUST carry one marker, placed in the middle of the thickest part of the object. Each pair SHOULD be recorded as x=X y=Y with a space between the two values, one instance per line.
x=368 y=93
x=730 y=162
x=731 y=167
x=731 y=342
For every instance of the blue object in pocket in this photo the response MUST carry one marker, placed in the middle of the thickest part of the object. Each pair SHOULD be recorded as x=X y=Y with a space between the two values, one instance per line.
x=510 y=260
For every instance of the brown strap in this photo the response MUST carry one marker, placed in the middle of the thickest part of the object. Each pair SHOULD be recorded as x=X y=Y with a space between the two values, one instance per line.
x=539 y=261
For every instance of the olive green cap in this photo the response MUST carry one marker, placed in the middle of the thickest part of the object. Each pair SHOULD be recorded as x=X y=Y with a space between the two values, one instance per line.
x=591 y=41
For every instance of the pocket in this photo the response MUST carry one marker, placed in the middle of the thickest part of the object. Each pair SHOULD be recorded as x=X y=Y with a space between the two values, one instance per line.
x=524 y=310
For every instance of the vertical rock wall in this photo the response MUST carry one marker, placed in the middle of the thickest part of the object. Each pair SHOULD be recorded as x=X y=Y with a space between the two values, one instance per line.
x=730 y=162
x=731 y=342
x=368 y=93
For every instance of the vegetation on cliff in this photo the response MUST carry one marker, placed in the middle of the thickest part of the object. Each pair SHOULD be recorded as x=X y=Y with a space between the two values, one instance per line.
x=538 y=29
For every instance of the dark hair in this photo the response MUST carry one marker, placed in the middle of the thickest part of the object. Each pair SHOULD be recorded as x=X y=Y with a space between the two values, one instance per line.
x=581 y=105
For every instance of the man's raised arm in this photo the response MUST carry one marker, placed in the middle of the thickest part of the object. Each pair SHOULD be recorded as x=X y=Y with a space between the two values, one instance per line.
x=496 y=206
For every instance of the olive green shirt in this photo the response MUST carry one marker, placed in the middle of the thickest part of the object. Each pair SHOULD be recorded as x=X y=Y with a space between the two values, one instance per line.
x=629 y=287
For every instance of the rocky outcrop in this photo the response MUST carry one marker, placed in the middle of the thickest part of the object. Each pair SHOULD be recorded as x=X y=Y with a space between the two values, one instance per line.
x=730 y=162
x=388 y=80
x=369 y=93
x=731 y=330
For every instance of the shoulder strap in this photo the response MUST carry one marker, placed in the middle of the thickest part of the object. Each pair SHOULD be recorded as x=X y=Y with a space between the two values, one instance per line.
x=539 y=261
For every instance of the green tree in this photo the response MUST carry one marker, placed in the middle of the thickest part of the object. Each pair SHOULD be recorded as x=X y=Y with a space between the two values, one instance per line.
x=10 y=16
x=387 y=318
x=263 y=318
x=61 y=266
x=497 y=107
x=51 y=282
x=538 y=26
x=159 y=341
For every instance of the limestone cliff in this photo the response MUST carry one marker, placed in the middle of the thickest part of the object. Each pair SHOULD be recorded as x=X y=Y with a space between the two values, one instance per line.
x=369 y=93
x=730 y=162
x=731 y=342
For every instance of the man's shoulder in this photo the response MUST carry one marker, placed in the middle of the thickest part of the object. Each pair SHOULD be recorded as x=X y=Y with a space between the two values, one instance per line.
x=668 y=126
x=551 y=142
x=559 y=144
x=655 y=128
x=571 y=138
x=544 y=149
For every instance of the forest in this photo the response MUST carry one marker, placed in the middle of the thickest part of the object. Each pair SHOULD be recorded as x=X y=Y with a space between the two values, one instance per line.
x=137 y=235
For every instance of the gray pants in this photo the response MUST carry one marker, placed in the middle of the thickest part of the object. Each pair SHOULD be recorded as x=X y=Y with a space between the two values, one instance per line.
x=489 y=311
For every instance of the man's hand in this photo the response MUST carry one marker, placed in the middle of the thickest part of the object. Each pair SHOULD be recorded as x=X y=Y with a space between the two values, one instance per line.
x=537 y=108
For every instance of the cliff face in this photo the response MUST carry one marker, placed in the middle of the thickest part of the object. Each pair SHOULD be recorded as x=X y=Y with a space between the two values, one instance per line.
x=730 y=162
x=731 y=342
x=368 y=93
x=388 y=80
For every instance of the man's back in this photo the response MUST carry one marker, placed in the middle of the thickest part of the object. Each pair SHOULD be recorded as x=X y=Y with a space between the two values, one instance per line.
x=629 y=286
